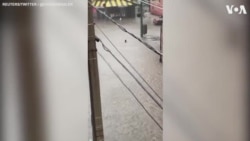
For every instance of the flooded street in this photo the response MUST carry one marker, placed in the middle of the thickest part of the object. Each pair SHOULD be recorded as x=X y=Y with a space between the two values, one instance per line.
x=123 y=118
x=55 y=57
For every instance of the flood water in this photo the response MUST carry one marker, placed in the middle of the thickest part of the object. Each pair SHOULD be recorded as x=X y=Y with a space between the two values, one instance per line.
x=123 y=117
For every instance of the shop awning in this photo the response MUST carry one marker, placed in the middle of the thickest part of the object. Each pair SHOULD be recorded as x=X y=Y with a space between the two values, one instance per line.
x=112 y=3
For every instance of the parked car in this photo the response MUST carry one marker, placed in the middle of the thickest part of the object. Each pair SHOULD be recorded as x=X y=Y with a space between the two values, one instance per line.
x=158 y=20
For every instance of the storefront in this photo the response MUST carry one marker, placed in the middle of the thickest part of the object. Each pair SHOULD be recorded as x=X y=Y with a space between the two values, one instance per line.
x=156 y=7
x=115 y=8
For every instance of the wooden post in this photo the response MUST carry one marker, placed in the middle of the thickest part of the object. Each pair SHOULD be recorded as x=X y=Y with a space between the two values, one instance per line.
x=95 y=98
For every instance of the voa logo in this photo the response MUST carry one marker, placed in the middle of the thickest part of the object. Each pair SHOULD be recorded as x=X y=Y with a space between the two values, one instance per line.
x=231 y=9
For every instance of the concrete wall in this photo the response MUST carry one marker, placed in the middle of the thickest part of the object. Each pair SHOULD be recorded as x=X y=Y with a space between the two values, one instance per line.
x=204 y=72
x=62 y=47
